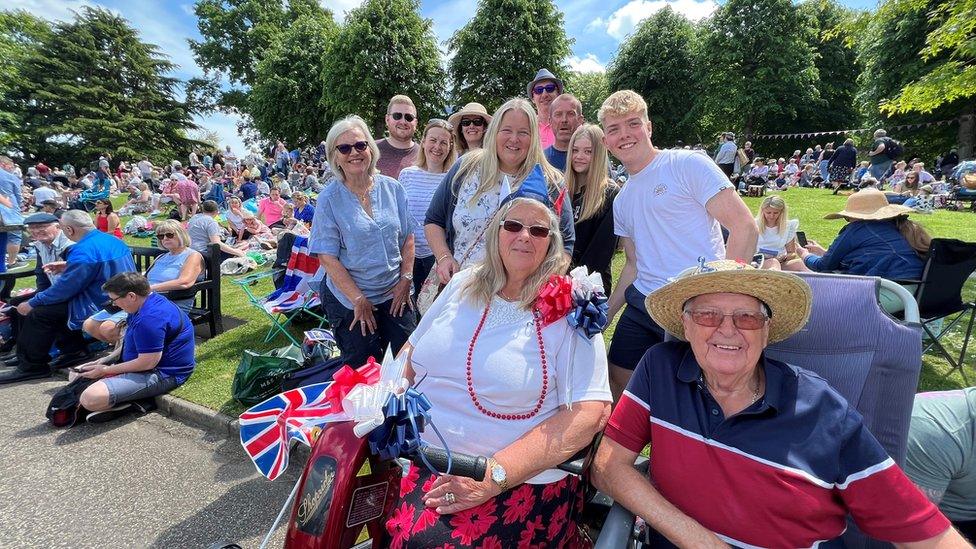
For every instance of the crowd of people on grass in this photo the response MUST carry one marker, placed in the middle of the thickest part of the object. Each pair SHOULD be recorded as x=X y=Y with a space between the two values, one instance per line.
x=442 y=248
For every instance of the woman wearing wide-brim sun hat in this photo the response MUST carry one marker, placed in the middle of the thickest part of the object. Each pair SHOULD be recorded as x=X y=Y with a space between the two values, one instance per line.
x=725 y=417
x=469 y=125
x=878 y=240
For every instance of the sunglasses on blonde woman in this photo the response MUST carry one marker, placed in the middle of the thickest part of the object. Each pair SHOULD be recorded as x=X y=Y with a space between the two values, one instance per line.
x=535 y=231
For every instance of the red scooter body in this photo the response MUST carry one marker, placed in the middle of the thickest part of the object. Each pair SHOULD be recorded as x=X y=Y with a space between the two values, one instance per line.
x=346 y=494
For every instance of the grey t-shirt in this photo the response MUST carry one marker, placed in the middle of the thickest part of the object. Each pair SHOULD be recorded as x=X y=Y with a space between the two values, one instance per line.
x=201 y=228
x=942 y=450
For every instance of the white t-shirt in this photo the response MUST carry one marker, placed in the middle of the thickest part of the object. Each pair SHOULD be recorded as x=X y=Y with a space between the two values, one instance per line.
x=771 y=239
x=662 y=209
x=506 y=371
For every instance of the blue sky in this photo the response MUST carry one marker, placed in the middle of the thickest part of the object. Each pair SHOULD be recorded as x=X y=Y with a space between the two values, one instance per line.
x=597 y=26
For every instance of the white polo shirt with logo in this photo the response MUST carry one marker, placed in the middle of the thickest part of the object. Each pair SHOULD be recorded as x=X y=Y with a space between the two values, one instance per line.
x=662 y=209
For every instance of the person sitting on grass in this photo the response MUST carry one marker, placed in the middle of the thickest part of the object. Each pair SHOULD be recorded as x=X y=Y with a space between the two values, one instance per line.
x=777 y=236
x=204 y=230
x=106 y=220
x=271 y=208
x=157 y=353
x=140 y=200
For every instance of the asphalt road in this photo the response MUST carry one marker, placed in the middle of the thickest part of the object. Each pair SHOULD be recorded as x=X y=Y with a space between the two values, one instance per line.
x=144 y=481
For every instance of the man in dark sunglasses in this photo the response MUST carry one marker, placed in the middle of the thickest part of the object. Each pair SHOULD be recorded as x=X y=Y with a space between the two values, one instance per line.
x=543 y=89
x=398 y=150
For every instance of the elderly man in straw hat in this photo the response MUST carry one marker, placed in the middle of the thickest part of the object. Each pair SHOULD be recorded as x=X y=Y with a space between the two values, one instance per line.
x=747 y=450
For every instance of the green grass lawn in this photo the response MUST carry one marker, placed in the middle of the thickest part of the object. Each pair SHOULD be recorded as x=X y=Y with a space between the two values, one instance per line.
x=217 y=358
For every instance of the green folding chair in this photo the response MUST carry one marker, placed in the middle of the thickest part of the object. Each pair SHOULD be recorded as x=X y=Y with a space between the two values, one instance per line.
x=281 y=307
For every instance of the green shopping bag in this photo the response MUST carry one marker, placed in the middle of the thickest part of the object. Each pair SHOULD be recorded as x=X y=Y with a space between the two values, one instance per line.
x=259 y=375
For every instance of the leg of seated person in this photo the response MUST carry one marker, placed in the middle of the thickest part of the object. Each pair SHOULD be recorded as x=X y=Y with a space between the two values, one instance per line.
x=36 y=331
x=109 y=392
x=772 y=264
x=796 y=266
x=96 y=397
x=109 y=331
x=93 y=327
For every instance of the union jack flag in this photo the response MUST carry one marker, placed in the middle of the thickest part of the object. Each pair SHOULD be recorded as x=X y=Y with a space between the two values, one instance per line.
x=300 y=285
x=268 y=428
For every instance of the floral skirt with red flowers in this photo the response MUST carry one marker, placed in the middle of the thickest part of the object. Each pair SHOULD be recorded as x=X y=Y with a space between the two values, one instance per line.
x=528 y=516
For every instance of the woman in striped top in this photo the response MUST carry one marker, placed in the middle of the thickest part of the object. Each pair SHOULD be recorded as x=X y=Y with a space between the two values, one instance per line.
x=436 y=155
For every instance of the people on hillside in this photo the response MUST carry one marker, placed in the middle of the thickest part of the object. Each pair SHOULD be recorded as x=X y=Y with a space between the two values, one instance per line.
x=363 y=236
x=469 y=125
x=270 y=209
x=304 y=211
x=533 y=399
x=592 y=194
x=880 y=159
x=776 y=443
x=725 y=155
x=56 y=314
x=204 y=230
x=420 y=182
x=472 y=190
x=669 y=214
x=398 y=150
x=157 y=351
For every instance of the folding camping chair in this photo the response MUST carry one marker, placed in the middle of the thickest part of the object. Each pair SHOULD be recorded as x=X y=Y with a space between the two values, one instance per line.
x=875 y=365
x=939 y=294
x=295 y=298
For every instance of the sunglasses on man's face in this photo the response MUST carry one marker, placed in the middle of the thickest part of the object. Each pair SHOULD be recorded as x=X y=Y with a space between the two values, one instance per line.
x=535 y=231
x=476 y=122
x=713 y=318
x=403 y=115
x=548 y=88
x=347 y=148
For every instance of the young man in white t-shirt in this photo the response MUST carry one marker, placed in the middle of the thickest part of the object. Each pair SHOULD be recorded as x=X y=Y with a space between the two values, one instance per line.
x=668 y=215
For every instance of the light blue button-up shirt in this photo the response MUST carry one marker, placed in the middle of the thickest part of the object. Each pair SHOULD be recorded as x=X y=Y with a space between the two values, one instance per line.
x=10 y=186
x=368 y=247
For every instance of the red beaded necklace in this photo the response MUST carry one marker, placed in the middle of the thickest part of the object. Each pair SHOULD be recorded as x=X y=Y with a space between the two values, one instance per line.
x=545 y=372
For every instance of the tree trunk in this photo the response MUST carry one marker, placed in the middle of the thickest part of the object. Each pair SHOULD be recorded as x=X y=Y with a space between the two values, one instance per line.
x=967 y=132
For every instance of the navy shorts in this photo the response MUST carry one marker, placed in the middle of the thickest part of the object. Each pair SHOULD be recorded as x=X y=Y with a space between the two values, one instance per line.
x=635 y=332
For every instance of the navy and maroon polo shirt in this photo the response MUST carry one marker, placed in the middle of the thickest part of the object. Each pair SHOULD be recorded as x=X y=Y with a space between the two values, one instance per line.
x=784 y=472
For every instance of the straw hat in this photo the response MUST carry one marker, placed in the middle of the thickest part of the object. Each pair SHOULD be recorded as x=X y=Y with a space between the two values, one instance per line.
x=471 y=109
x=788 y=297
x=869 y=204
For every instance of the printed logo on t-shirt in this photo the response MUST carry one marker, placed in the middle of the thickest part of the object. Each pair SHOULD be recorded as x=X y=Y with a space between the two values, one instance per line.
x=660 y=189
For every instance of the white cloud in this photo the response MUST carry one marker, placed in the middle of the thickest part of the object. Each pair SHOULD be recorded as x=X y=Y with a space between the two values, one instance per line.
x=623 y=21
x=589 y=63
x=53 y=10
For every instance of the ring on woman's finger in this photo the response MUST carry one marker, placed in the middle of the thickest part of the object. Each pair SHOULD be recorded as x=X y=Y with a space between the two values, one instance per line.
x=451 y=500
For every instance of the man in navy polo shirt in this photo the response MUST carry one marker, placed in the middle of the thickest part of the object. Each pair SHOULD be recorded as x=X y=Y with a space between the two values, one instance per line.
x=157 y=351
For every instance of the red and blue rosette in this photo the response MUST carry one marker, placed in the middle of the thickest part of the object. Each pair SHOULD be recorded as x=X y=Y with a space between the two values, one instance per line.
x=555 y=299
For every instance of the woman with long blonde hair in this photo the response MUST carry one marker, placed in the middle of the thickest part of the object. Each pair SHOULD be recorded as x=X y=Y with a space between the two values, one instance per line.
x=592 y=193
x=471 y=192
x=777 y=236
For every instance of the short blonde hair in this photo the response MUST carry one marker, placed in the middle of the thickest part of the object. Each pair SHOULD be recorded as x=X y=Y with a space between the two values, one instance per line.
x=177 y=228
x=489 y=275
x=400 y=100
x=351 y=122
x=622 y=103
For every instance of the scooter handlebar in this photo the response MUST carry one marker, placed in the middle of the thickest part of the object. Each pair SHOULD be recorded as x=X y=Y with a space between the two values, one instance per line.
x=462 y=465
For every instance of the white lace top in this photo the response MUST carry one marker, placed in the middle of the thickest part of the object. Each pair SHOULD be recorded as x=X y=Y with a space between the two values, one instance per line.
x=470 y=220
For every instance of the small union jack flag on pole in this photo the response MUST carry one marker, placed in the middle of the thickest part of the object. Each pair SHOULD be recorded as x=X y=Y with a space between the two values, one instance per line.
x=268 y=428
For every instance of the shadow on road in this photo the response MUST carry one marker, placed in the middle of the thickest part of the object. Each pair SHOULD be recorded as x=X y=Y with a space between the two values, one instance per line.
x=244 y=511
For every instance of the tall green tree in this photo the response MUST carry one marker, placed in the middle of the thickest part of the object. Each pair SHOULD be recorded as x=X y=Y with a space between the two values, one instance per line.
x=890 y=52
x=952 y=81
x=835 y=59
x=658 y=62
x=20 y=35
x=757 y=68
x=286 y=101
x=237 y=34
x=384 y=48
x=92 y=86
x=591 y=88
x=499 y=50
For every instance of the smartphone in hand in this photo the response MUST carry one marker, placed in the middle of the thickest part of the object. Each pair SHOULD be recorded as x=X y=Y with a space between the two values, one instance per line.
x=801 y=238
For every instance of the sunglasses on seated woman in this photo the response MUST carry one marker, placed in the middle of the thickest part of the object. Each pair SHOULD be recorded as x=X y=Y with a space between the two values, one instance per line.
x=161 y=236
x=713 y=318
x=346 y=148
x=536 y=231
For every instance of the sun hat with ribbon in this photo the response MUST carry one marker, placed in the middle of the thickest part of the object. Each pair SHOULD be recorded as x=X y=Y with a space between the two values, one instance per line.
x=786 y=295
x=869 y=204
x=471 y=109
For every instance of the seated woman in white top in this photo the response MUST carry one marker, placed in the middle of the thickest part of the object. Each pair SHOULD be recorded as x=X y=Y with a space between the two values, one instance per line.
x=777 y=236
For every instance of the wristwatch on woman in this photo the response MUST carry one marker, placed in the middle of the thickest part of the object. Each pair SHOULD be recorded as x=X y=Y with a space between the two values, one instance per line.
x=497 y=474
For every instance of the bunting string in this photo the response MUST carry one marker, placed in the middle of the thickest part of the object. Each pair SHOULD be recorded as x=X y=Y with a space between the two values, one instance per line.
x=861 y=130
